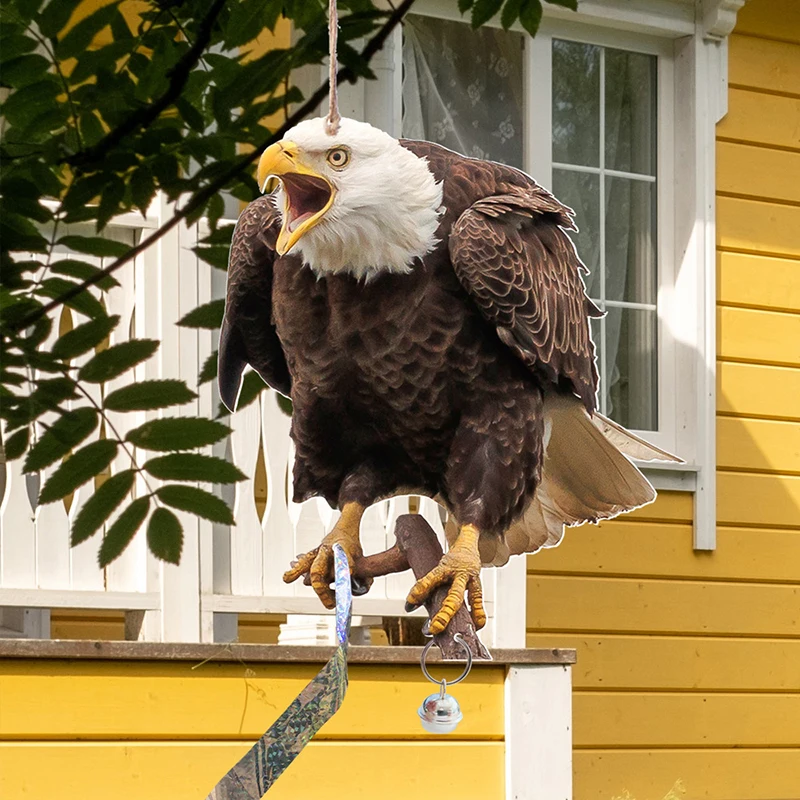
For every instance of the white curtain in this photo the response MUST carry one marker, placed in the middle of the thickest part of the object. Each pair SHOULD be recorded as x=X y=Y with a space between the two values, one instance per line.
x=463 y=88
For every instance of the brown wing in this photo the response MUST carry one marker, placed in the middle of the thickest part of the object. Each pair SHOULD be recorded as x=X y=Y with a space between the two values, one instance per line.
x=248 y=335
x=512 y=255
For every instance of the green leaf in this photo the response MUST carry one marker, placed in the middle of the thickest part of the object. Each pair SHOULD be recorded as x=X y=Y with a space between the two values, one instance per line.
x=209 y=369
x=119 y=535
x=99 y=507
x=77 y=469
x=196 y=501
x=193 y=467
x=24 y=70
x=177 y=433
x=215 y=255
x=25 y=104
x=83 y=338
x=465 y=5
x=14 y=45
x=510 y=13
x=16 y=444
x=571 y=4
x=83 y=270
x=483 y=11
x=110 y=201
x=222 y=235
x=245 y=22
x=92 y=130
x=530 y=15
x=55 y=16
x=80 y=36
x=84 y=302
x=143 y=188
x=115 y=360
x=148 y=395
x=165 y=536
x=95 y=246
x=63 y=435
x=19 y=233
x=209 y=315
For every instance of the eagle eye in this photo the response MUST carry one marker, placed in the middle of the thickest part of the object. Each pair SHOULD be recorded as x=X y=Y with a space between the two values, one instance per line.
x=338 y=157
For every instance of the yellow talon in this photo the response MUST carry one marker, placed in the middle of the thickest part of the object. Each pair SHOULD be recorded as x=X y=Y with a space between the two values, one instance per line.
x=318 y=563
x=461 y=567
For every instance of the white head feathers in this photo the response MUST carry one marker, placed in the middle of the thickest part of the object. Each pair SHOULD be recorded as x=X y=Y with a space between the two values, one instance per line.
x=386 y=205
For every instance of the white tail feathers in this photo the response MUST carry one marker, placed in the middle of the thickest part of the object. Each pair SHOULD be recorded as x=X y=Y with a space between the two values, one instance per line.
x=586 y=477
x=629 y=443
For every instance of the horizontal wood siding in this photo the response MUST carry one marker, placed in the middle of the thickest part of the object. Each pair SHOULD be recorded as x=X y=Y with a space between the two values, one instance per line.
x=188 y=770
x=688 y=672
x=147 y=731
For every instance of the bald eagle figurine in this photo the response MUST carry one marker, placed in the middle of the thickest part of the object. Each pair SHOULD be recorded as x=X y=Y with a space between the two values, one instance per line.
x=426 y=314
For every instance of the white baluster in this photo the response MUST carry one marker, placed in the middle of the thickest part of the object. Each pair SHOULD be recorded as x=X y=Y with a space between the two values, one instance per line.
x=246 y=537
x=278 y=536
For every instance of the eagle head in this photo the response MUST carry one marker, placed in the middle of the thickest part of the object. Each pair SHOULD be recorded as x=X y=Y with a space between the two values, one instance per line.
x=355 y=202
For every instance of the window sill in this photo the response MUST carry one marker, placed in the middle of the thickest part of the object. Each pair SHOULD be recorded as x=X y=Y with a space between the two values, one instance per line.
x=670 y=477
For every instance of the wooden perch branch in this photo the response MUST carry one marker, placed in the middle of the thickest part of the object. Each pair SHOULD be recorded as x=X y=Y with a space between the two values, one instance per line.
x=417 y=547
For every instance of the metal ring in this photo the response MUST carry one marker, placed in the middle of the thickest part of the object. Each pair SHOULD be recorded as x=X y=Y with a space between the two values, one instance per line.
x=458 y=638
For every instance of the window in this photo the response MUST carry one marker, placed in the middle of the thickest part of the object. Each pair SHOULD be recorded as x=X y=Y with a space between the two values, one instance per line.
x=465 y=90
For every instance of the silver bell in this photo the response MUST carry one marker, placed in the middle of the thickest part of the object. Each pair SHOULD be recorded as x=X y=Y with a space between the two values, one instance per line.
x=440 y=712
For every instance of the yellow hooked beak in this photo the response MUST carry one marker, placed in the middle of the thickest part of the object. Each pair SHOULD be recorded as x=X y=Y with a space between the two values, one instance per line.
x=308 y=195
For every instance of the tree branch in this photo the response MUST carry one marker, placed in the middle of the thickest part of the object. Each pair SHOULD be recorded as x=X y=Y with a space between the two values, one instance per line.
x=200 y=197
x=178 y=76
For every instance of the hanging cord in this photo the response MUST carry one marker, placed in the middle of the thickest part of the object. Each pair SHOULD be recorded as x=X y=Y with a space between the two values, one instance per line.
x=333 y=119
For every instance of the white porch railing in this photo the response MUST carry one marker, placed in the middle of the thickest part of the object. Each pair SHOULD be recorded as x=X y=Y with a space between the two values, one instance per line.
x=224 y=571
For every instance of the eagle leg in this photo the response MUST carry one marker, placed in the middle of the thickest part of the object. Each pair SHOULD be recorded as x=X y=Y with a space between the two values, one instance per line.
x=318 y=563
x=461 y=566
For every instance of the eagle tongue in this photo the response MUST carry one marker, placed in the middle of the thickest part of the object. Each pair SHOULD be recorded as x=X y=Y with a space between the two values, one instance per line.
x=307 y=195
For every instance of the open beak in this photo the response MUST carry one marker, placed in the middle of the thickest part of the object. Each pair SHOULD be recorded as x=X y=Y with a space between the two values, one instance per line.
x=308 y=194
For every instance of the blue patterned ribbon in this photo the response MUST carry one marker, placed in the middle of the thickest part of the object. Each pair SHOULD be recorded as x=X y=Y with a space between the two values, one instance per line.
x=259 y=768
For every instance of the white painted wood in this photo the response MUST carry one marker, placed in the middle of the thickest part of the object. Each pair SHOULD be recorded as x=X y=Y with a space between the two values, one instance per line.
x=695 y=283
x=277 y=550
x=538 y=733
x=55 y=598
x=52 y=546
x=180 y=584
x=719 y=17
x=17 y=531
x=24 y=623
x=506 y=624
x=124 y=573
x=307 y=603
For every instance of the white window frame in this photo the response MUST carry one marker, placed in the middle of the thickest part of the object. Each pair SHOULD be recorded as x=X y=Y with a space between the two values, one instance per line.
x=689 y=38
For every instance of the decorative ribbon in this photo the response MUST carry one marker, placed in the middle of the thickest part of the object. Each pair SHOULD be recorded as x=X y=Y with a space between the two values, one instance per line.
x=256 y=772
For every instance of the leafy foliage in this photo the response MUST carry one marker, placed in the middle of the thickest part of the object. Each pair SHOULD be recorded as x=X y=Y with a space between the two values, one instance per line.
x=103 y=105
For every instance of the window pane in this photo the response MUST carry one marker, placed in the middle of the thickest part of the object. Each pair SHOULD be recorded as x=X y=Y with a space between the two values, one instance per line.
x=581 y=192
x=463 y=88
x=576 y=103
x=630 y=240
x=630 y=106
x=632 y=367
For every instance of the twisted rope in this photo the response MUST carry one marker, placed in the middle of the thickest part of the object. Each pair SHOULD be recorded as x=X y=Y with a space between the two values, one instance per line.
x=333 y=119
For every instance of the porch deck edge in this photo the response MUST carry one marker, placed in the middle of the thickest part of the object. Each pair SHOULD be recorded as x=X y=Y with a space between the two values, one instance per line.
x=84 y=649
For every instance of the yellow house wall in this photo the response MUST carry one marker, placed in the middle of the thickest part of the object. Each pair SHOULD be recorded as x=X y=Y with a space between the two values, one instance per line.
x=689 y=663
x=170 y=731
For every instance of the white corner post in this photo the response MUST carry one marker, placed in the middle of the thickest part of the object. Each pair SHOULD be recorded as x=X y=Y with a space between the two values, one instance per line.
x=24 y=623
x=538 y=732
